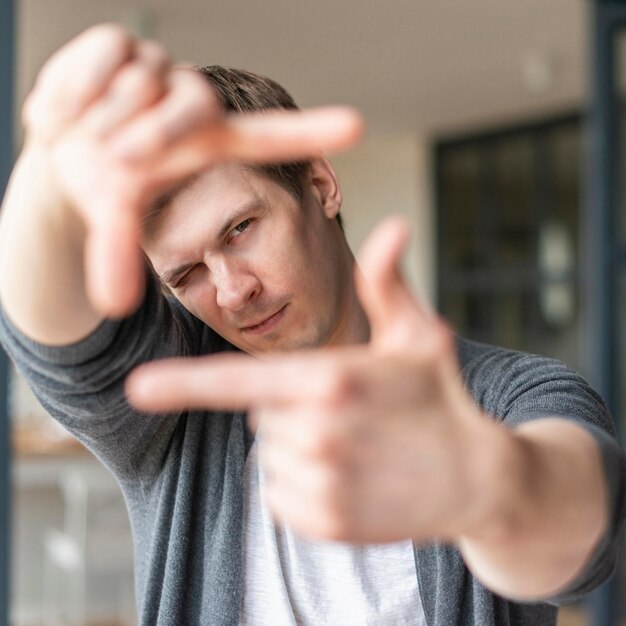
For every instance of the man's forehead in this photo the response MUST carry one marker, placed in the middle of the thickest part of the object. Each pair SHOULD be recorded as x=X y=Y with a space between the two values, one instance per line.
x=168 y=197
x=213 y=191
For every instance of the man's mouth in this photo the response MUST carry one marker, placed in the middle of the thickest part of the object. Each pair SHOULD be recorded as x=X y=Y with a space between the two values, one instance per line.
x=266 y=324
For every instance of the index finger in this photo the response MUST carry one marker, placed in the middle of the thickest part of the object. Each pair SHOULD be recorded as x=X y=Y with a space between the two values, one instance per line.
x=276 y=135
x=269 y=136
x=225 y=381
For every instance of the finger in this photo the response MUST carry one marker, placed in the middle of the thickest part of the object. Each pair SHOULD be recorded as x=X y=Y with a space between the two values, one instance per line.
x=284 y=466
x=264 y=137
x=317 y=431
x=74 y=77
x=232 y=382
x=381 y=287
x=113 y=263
x=136 y=86
x=313 y=503
x=189 y=104
x=273 y=136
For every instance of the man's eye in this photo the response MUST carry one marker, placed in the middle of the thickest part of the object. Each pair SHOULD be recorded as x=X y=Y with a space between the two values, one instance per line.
x=240 y=228
x=181 y=281
x=184 y=278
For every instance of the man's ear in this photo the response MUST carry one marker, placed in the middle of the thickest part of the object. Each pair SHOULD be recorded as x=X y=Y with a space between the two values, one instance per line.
x=325 y=186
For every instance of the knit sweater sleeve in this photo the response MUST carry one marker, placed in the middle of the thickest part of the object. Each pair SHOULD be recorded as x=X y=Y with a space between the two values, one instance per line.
x=82 y=385
x=515 y=388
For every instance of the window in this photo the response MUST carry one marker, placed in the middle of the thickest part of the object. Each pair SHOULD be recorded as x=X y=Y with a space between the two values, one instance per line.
x=508 y=207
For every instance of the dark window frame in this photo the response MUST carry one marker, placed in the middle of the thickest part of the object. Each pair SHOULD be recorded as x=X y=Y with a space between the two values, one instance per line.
x=498 y=280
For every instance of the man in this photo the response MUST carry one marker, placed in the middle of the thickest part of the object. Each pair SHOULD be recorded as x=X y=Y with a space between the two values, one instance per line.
x=412 y=478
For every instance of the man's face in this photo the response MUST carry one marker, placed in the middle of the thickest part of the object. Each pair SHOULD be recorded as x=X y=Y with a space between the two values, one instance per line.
x=265 y=271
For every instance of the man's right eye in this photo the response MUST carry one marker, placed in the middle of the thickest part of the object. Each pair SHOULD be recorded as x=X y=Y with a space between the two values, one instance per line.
x=181 y=280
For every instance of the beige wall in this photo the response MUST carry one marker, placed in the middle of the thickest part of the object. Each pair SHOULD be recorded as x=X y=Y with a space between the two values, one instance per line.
x=392 y=174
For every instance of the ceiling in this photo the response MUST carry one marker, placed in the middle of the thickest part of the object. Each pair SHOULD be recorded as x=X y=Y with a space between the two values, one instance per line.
x=428 y=66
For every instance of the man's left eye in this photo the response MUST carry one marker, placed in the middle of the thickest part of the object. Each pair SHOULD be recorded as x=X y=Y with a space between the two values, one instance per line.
x=240 y=227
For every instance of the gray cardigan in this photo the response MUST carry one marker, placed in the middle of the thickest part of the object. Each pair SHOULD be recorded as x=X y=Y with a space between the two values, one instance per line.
x=182 y=475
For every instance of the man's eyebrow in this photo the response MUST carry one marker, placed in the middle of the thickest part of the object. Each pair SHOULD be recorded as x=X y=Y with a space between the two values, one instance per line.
x=237 y=216
x=163 y=201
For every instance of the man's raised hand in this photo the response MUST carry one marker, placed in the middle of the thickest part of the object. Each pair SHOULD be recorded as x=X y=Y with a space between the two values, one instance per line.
x=119 y=125
x=364 y=443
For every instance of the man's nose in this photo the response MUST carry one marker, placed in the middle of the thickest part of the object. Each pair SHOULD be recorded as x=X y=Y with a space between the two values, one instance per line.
x=235 y=287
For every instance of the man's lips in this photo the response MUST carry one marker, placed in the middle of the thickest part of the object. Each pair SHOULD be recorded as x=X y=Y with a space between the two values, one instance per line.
x=266 y=324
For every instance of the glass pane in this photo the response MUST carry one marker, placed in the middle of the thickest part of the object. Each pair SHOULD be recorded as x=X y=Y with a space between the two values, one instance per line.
x=510 y=271
x=513 y=178
x=564 y=145
x=459 y=202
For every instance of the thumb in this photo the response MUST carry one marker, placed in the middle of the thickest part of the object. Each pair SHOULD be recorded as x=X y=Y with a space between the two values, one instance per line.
x=393 y=312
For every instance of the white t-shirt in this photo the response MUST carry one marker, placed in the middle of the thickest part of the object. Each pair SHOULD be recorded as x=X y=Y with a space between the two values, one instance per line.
x=289 y=580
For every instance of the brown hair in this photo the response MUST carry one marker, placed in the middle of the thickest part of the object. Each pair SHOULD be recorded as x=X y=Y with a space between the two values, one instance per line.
x=241 y=91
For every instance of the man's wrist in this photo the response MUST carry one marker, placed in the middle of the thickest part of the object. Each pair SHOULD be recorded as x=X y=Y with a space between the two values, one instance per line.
x=499 y=469
x=537 y=475
x=542 y=529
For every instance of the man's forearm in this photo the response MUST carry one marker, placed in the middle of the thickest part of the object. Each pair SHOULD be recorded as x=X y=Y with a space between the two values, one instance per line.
x=549 y=520
x=41 y=257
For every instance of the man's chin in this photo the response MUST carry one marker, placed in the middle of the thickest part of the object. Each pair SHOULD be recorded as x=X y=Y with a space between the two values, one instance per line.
x=279 y=344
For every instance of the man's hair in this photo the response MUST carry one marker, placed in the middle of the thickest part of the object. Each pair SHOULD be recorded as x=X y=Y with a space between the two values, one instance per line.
x=241 y=91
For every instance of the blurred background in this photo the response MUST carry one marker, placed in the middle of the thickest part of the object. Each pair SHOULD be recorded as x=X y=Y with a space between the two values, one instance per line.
x=495 y=126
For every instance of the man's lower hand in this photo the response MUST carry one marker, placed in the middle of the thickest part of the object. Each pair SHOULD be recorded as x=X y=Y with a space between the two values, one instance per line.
x=366 y=443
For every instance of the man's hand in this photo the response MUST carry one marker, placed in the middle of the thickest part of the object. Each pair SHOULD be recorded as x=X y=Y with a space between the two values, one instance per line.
x=368 y=443
x=118 y=124
x=381 y=442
